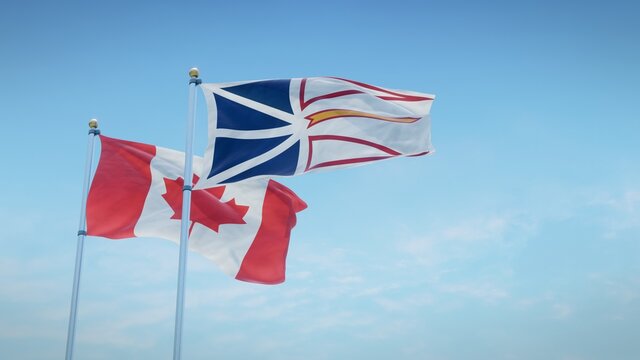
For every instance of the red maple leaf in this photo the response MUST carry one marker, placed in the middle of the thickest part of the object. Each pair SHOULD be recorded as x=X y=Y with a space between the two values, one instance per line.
x=206 y=206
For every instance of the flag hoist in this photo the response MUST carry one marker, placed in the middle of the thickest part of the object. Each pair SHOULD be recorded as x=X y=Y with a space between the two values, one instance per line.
x=82 y=233
x=194 y=82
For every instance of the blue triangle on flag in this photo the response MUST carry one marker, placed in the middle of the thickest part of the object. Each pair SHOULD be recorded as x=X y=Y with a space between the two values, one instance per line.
x=274 y=93
x=229 y=152
x=234 y=116
x=283 y=164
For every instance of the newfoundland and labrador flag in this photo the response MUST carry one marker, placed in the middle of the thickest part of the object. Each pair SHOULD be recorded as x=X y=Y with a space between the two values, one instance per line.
x=291 y=126
x=244 y=228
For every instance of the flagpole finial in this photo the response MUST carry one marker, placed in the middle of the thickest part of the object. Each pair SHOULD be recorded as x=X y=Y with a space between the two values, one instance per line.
x=194 y=73
x=93 y=123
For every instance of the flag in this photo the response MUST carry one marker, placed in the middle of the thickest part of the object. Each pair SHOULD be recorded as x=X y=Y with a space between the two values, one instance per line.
x=244 y=228
x=291 y=126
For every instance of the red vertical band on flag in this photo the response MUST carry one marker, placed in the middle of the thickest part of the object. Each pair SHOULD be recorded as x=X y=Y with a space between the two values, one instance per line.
x=119 y=188
x=265 y=260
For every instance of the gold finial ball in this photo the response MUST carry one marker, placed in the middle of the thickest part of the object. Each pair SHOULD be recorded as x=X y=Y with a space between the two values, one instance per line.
x=93 y=123
x=194 y=72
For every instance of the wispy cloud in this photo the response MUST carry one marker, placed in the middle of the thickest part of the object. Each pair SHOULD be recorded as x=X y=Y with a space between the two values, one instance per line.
x=621 y=212
x=486 y=292
x=562 y=310
x=408 y=304
x=628 y=202
x=347 y=279
x=337 y=320
x=624 y=289
x=119 y=326
x=466 y=238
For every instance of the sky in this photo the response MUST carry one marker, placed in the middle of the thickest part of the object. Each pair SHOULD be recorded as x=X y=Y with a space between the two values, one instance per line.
x=518 y=239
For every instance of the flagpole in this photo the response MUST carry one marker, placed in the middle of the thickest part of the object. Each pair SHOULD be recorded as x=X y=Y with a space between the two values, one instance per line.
x=186 y=210
x=82 y=232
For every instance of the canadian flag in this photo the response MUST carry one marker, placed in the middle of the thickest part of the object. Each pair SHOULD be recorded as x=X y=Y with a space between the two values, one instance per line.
x=243 y=227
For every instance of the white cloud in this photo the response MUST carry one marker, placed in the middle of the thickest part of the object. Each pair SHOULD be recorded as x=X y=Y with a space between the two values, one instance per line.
x=336 y=320
x=387 y=329
x=629 y=202
x=550 y=303
x=561 y=310
x=467 y=238
x=624 y=289
x=622 y=212
x=405 y=304
x=376 y=290
x=32 y=280
x=483 y=291
x=347 y=279
x=298 y=275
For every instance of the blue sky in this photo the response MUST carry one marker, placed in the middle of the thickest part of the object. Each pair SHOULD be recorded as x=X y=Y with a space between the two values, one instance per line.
x=518 y=239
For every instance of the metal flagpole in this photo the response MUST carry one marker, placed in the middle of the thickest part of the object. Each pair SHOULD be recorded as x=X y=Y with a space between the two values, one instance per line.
x=82 y=232
x=186 y=210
